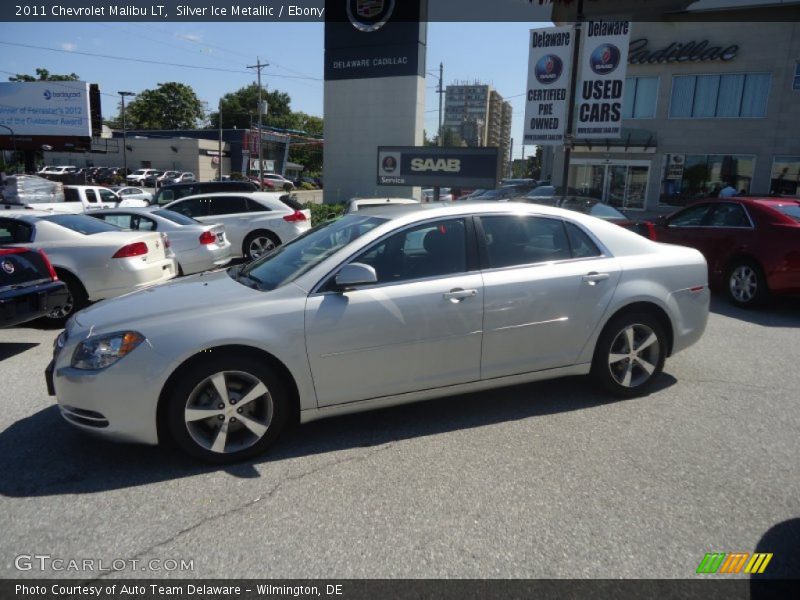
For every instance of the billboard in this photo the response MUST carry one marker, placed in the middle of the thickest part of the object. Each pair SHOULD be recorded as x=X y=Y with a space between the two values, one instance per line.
x=374 y=38
x=549 y=60
x=430 y=166
x=46 y=108
x=604 y=50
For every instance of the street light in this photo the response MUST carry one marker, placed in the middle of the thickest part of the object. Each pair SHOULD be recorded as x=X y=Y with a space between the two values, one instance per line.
x=440 y=91
x=14 y=143
x=124 y=133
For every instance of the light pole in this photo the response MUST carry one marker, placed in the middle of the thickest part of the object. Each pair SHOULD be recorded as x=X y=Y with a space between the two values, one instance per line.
x=124 y=133
x=258 y=66
x=440 y=91
x=14 y=144
x=219 y=147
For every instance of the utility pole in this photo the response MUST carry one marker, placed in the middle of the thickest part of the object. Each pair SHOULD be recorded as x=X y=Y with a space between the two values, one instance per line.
x=573 y=84
x=124 y=134
x=219 y=149
x=440 y=91
x=258 y=66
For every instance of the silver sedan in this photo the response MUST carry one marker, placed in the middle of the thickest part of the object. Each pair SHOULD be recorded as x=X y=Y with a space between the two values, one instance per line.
x=377 y=309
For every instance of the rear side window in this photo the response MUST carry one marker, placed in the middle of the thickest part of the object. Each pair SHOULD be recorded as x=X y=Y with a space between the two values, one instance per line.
x=728 y=214
x=691 y=217
x=513 y=240
x=228 y=205
x=292 y=202
x=580 y=243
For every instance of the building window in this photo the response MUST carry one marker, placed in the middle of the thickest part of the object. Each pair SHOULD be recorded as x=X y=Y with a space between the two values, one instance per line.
x=796 y=81
x=733 y=95
x=704 y=175
x=639 y=99
x=785 y=177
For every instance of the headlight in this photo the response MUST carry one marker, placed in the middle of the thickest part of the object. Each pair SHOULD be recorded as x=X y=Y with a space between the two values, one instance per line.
x=103 y=351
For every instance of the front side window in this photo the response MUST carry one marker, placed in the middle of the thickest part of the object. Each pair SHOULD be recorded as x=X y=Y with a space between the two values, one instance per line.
x=730 y=95
x=429 y=250
x=514 y=240
x=691 y=217
x=107 y=196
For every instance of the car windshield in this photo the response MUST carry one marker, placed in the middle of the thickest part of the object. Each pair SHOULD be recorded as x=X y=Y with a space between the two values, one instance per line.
x=81 y=223
x=594 y=207
x=791 y=210
x=175 y=217
x=289 y=261
x=139 y=172
x=543 y=190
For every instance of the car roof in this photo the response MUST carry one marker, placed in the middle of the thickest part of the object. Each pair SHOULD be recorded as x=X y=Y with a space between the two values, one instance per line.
x=30 y=216
x=257 y=195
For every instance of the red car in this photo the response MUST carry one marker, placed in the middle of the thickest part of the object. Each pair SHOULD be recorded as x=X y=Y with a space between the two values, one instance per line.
x=752 y=245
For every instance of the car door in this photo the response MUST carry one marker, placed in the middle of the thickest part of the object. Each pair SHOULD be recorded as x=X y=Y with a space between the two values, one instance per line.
x=234 y=212
x=418 y=327
x=728 y=231
x=687 y=227
x=547 y=284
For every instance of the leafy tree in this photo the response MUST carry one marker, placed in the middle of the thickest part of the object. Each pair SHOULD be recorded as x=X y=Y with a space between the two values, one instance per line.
x=170 y=106
x=44 y=75
x=240 y=109
x=450 y=138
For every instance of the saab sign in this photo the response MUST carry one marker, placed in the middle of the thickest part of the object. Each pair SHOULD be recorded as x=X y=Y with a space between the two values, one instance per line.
x=429 y=166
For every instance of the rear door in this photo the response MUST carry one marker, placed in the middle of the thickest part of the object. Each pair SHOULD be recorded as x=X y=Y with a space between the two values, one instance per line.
x=236 y=214
x=547 y=284
x=728 y=230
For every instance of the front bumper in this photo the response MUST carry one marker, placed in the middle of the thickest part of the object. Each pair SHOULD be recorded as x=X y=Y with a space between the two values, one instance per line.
x=119 y=402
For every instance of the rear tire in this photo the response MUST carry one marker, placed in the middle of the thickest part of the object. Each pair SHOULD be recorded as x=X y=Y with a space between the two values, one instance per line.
x=746 y=285
x=258 y=243
x=630 y=354
x=76 y=300
x=246 y=403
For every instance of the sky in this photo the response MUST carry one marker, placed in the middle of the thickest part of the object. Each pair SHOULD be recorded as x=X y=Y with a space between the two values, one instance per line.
x=493 y=53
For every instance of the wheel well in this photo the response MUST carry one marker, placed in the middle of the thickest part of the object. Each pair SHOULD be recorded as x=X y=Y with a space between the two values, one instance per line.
x=67 y=274
x=656 y=311
x=736 y=258
x=266 y=232
x=286 y=375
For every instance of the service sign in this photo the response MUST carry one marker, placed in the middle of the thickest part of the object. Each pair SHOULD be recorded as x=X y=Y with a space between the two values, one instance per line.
x=604 y=51
x=429 y=166
x=46 y=108
x=549 y=60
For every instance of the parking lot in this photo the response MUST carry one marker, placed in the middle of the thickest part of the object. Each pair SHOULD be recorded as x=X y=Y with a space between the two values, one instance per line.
x=541 y=480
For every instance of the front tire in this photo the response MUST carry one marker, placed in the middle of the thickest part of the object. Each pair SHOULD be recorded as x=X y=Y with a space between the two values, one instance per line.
x=227 y=408
x=746 y=284
x=630 y=354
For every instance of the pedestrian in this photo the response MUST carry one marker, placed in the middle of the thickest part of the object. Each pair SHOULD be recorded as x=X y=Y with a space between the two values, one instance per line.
x=727 y=191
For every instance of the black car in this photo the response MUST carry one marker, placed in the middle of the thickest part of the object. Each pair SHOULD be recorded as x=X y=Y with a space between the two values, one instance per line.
x=29 y=288
x=175 y=191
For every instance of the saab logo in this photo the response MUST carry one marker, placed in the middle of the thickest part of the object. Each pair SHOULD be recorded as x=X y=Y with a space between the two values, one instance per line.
x=389 y=164
x=8 y=267
x=732 y=562
x=604 y=59
x=47 y=95
x=369 y=15
x=548 y=69
x=450 y=165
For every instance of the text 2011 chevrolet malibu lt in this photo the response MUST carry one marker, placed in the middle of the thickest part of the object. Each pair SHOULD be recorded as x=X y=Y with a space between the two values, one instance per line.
x=376 y=309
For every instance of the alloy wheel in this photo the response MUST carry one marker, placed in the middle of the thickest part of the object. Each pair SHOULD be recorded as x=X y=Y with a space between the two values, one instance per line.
x=260 y=245
x=228 y=412
x=743 y=283
x=634 y=355
x=65 y=310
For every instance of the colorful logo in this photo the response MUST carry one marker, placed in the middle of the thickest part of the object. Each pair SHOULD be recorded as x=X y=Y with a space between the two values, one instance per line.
x=723 y=563
x=8 y=267
x=369 y=15
x=389 y=164
x=604 y=59
x=548 y=69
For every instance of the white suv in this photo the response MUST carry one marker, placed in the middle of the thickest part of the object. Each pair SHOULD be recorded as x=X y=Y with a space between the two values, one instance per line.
x=255 y=222
x=138 y=176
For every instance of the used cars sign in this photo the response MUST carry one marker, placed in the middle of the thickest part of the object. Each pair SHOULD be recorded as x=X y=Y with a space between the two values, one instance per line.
x=429 y=166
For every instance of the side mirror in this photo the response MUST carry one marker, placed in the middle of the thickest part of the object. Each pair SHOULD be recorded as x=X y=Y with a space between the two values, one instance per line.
x=355 y=274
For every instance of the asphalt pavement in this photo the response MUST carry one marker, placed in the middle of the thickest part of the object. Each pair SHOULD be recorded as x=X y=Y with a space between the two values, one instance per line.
x=542 y=480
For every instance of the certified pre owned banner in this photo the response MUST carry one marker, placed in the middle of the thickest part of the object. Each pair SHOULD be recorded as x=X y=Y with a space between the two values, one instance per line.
x=429 y=166
x=549 y=58
x=604 y=53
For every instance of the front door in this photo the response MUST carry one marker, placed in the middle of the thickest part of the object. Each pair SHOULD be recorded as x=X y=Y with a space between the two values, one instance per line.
x=418 y=327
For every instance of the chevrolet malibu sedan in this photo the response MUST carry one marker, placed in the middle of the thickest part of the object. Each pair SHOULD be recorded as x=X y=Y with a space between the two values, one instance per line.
x=378 y=309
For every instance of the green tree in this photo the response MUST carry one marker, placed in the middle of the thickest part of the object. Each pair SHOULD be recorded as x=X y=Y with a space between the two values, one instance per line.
x=305 y=150
x=169 y=106
x=450 y=138
x=240 y=109
x=44 y=75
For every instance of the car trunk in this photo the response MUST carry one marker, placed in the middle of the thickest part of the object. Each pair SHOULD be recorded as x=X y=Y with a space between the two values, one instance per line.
x=22 y=268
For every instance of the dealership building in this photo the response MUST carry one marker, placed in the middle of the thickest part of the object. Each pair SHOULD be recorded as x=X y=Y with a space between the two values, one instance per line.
x=705 y=104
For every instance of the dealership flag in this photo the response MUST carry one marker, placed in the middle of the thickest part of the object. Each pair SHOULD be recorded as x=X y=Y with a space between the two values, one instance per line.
x=604 y=55
x=549 y=59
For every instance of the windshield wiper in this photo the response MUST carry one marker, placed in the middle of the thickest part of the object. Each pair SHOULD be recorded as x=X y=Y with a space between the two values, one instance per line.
x=238 y=274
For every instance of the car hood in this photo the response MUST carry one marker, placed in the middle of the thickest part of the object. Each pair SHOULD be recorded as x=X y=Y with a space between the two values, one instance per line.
x=168 y=302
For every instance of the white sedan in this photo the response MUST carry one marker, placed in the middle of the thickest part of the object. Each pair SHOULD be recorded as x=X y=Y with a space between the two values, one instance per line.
x=128 y=193
x=94 y=259
x=255 y=222
x=373 y=310
x=197 y=246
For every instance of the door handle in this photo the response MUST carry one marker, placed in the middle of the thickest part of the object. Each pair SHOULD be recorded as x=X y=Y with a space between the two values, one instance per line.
x=457 y=295
x=594 y=277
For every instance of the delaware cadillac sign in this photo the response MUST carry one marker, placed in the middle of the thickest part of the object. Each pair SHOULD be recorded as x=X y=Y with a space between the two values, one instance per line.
x=429 y=166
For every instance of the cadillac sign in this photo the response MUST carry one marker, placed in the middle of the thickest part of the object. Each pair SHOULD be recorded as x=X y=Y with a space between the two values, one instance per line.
x=369 y=15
